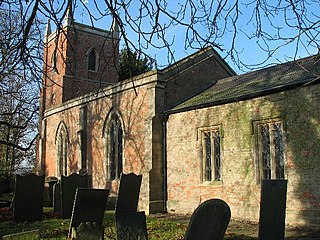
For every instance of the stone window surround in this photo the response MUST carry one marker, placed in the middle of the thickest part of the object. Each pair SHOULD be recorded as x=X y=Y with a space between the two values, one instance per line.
x=200 y=136
x=61 y=135
x=257 y=156
x=96 y=55
x=106 y=134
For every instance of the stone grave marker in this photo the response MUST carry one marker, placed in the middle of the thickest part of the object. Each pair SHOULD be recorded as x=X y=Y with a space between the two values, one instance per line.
x=49 y=184
x=272 y=209
x=68 y=189
x=209 y=221
x=89 y=207
x=128 y=193
x=56 y=197
x=131 y=226
x=29 y=235
x=28 y=198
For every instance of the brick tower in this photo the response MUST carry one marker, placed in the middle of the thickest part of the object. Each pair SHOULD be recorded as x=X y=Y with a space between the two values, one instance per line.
x=78 y=59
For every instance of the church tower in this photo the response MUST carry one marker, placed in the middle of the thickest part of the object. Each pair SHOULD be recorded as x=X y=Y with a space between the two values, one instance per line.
x=78 y=59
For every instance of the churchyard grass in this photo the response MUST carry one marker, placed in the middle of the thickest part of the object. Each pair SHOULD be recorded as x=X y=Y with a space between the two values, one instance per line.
x=52 y=227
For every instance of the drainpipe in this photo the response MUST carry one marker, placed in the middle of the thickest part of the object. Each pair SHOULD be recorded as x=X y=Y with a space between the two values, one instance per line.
x=164 y=119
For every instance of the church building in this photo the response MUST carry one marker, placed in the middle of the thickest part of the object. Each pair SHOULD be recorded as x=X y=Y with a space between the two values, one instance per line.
x=194 y=130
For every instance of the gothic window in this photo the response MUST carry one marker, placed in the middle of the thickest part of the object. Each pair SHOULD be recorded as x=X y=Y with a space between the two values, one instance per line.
x=211 y=163
x=62 y=150
x=114 y=134
x=82 y=134
x=270 y=145
x=92 y=61
x=54 y=61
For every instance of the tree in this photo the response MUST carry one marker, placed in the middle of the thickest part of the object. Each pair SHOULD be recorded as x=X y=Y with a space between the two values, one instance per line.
x=132 y=64
x=226 y=25
x=19 y=101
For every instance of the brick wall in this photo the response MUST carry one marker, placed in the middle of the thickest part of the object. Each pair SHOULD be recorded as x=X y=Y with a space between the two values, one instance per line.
x=136 y=107
x=71 y=77
x=140 y=105
x=193 y=75
x=299 y=111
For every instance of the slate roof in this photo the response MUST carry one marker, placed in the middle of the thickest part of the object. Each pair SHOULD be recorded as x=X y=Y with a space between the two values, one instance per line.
x=255 y=84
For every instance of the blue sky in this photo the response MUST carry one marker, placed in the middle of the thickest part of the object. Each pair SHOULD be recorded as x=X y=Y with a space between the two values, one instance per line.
x=249 y=49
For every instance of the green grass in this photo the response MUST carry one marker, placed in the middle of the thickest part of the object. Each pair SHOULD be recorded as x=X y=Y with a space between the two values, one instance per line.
x=52 y=227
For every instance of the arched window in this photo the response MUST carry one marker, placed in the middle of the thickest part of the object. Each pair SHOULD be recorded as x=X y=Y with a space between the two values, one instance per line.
x=54 y=61
x=92 y=61
x=62 y=150
x=114 y=142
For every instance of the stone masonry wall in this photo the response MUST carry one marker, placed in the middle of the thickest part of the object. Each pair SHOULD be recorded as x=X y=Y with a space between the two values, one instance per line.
x=299 y=111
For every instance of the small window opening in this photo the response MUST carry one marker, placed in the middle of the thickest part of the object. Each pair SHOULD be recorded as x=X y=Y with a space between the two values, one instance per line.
x=212 y=156
x=271 y=150
x=92 y=61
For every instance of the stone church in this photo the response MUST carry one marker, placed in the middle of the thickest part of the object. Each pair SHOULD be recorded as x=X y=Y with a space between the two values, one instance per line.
x=194 y=130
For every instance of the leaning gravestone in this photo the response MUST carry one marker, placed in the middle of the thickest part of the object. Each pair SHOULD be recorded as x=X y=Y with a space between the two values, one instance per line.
x=68 y=189
x=29 y=235
x=272 y=209
x=56 y=197
x=131 y=226
x=128 y=193
x=28 y=198
x=89 y=207
x=209 y=221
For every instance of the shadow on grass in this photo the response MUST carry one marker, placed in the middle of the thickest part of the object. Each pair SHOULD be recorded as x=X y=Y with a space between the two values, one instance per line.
x=52 y=227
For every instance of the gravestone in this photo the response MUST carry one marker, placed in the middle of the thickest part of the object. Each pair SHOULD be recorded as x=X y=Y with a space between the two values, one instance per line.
x=68 y=190
x=28 y=198
x=49 y=184
x=128 y=193
x=131 y=226
x=56 y=197
x=209 y=221
x=272 y=209
x=89 y=207
x=46 y=198
x=29 y=235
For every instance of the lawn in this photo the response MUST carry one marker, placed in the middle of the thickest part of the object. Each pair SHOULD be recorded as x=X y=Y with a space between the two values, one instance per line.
x=52 y=227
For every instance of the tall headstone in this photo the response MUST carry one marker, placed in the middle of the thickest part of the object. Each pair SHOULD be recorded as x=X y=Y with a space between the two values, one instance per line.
x=28 y=198
x=272 y=209
x=209 y=221
x=57 y=197
x=69 y=186
x=89 y=207
x=128 y=193
x=131 y=226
